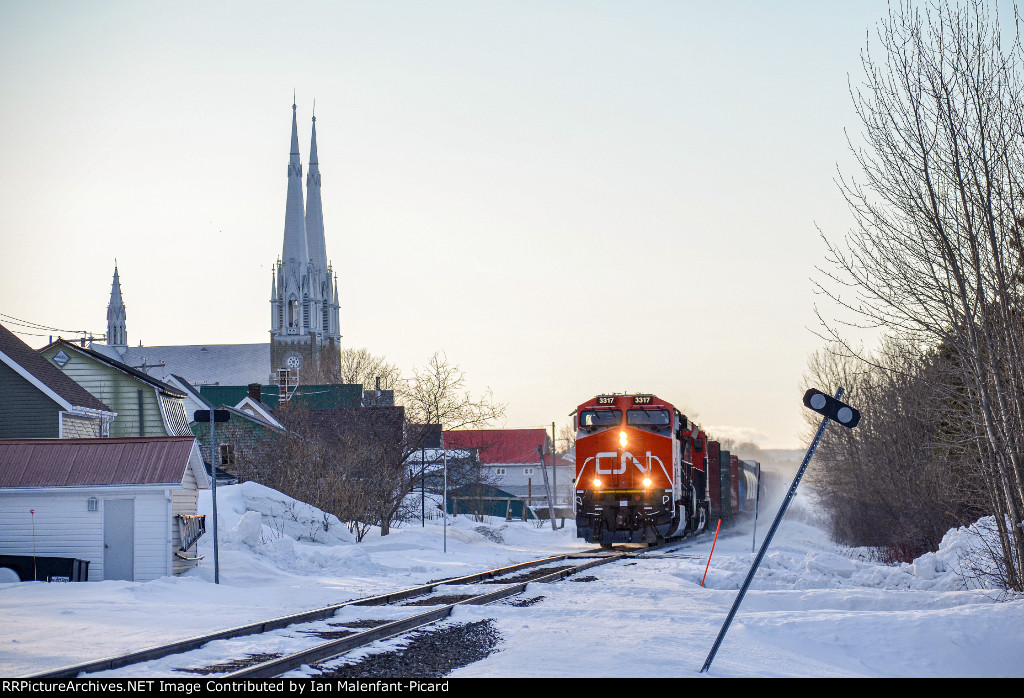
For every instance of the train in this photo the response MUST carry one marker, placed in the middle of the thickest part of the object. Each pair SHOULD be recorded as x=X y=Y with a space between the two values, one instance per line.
x=646 y=473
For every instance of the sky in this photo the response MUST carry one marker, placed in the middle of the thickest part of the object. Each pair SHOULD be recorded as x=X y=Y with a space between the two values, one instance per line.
x=566 y=198
x=813 y=609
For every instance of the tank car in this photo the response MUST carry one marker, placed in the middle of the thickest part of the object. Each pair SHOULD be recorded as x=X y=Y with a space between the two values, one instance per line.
x=641 y=471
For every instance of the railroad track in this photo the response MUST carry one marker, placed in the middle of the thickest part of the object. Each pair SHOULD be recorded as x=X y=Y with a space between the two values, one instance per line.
x=511 y=580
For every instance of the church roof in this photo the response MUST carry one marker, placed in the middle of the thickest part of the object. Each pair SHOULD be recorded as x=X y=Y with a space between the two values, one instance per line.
x=204 y=364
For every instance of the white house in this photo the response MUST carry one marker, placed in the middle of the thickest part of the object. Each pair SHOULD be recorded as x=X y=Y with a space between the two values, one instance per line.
x=126 y=505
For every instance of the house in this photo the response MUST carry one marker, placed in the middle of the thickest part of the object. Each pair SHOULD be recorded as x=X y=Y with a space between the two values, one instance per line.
x=145 y=406
x=40 y=401
x=513 y=462
x=125 y=505
x=241 y=442
x=486 y=500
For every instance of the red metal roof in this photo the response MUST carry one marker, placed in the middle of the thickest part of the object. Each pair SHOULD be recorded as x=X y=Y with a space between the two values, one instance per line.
x=142 y=460
x=500 y=445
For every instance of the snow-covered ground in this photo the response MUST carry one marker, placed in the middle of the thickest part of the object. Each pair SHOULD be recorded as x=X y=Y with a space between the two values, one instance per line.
x=814 y=609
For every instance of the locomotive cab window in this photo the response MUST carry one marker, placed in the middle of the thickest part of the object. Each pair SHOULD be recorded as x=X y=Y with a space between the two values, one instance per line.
x=599 y=419
x=658 y=421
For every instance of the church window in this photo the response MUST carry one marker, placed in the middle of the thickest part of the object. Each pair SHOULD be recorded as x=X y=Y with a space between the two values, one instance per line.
x=293 y=313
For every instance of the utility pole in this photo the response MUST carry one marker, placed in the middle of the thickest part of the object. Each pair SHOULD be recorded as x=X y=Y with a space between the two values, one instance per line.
x=544 y=471
x=213 y=416
x=554 y=463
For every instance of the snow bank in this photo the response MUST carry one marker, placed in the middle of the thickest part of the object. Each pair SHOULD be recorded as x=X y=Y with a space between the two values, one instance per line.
x=290 y=535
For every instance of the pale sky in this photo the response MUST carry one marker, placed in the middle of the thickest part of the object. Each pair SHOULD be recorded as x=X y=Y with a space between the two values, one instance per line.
x=567 y=198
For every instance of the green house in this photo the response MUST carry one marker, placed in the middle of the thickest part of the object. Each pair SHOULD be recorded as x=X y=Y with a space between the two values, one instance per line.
x=487 y=500
x=144 y=405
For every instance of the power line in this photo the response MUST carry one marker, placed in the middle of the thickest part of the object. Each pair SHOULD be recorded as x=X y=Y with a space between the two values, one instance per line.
x=47 y=330
x=37 y=326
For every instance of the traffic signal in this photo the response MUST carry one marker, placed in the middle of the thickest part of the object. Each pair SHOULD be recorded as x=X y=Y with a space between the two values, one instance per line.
x=830 y=407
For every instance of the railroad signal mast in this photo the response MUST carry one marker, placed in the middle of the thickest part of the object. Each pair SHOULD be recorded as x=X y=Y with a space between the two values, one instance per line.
x=832 y=409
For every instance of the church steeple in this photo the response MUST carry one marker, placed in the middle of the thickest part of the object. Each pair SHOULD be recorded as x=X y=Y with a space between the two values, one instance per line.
x=314 y=210
x=295 y=255
x=304 y=336
x=117 y=331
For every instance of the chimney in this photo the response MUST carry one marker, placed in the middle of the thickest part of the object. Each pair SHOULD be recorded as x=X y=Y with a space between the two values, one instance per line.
x=254 y=391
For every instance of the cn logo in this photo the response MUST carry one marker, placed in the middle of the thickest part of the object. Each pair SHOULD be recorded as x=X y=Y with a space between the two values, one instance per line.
x=605 y=469
x=623 y=462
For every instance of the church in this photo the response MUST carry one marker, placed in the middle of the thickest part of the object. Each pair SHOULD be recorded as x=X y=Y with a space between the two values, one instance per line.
x=305 y=333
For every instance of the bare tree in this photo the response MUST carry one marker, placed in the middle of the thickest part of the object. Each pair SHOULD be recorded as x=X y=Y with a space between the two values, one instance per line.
x=437 y=394
x=935 y=257
x=360 y=366
x=565 y=443
x=361 y=464
x=894 y=482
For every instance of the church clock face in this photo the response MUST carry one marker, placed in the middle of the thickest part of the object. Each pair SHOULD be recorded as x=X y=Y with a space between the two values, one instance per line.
x=293 y=361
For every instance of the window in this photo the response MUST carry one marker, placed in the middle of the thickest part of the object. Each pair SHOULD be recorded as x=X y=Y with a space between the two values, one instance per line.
x=657 y=421
x=652 y=418
x=499 y=471
x=527 y=471
x=596 y=419
x=227 y=454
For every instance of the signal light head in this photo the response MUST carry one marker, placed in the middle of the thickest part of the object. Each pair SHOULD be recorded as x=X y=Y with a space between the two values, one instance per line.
x=832 y=408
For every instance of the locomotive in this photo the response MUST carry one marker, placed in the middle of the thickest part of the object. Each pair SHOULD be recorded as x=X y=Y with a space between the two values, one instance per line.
x=641 y=471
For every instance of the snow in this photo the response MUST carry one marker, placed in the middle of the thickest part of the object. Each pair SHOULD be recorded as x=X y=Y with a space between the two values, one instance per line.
x=814 y=609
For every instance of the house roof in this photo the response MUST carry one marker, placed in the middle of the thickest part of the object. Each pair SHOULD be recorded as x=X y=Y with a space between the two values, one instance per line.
x=500 y=446
x=257 y=409
x=256 y=418
x=123 y=367
x=190 y=392
x=143 y=460
x=43 y=374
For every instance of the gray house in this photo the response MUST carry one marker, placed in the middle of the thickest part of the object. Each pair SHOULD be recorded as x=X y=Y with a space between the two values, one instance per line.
x=37 y=400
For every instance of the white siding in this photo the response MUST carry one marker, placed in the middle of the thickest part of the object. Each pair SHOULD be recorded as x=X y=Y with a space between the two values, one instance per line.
x=185 y=502
x=62 y=526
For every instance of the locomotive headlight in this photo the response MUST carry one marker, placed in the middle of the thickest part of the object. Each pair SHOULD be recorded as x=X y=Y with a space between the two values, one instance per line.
x=597 y=483
x=647 y=482
x=622 y=439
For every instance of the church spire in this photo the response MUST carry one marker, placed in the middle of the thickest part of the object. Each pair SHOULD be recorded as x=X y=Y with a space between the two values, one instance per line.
x=295 y=255
x=314 y=209
x=117 y=332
